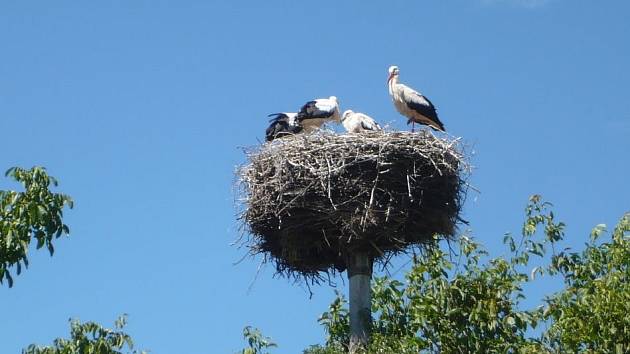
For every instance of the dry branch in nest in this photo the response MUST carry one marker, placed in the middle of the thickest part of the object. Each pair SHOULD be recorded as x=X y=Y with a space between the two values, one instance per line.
x=310 y=199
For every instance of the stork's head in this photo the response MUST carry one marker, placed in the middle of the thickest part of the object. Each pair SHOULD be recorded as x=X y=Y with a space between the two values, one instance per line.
x=346 y=114
x=393 y=71
x=334 y=99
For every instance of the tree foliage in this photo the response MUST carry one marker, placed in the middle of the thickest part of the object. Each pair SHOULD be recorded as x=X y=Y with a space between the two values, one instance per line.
x=34 y=213
x=472 y=305
x=592 y=313
x=89 y=338
x=257 y=343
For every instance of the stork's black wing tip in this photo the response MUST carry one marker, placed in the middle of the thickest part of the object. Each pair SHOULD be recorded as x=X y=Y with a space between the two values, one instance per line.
x=438 y=127
x=276 y=116
x=440 y=124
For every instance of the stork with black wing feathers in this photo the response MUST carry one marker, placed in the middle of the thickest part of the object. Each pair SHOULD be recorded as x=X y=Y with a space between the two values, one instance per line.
x=315 y=113
x=412 y=104
x=282 y=124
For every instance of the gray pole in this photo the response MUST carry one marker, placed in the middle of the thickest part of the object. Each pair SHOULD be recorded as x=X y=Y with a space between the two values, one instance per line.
x=359 y=275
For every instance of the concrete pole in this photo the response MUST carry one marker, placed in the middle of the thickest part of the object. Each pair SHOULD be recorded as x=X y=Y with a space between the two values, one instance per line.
x=359 y=276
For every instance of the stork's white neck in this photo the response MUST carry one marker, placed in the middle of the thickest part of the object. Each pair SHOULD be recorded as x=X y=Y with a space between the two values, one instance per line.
x=392 y=82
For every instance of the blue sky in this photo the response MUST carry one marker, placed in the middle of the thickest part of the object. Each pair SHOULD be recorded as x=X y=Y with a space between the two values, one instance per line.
x=139 y=108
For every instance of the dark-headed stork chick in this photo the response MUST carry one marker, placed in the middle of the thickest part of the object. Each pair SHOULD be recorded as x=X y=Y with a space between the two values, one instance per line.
x=282 y=124
x=412 y=104
x=355 y=122
x=317 y=112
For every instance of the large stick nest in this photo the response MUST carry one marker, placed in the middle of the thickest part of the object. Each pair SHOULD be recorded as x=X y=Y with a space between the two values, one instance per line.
x=310 y=199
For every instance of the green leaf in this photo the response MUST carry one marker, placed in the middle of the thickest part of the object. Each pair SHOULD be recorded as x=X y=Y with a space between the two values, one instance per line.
x=534 y=271
x=597 y=231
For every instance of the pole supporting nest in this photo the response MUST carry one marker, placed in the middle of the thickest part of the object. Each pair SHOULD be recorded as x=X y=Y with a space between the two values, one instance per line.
x=359 y=276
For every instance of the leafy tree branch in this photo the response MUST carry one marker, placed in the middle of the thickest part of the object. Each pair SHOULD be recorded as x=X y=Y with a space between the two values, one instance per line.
x=35 y=213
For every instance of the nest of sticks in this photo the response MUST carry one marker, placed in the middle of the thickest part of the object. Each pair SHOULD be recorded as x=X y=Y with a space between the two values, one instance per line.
x=308 y=200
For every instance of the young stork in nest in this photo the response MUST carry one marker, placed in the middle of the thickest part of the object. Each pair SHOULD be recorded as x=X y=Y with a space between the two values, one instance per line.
x=412 y=104
x=282 y=124
x=317 y=112
x=358 y=122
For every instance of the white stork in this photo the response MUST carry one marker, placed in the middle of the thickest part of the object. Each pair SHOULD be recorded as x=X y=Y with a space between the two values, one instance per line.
x=317 y=112
x=411 y=104
x=282 y=124
x=358 y=122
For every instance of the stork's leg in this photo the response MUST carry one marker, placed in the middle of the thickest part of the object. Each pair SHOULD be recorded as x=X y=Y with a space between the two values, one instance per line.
x=413 y=126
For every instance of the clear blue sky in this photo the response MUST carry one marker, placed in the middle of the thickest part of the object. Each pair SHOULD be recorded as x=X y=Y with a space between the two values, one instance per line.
x=139 y=108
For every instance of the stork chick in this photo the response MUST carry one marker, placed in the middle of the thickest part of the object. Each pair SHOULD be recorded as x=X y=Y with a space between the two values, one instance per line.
x=358 y=122
x=282 y=124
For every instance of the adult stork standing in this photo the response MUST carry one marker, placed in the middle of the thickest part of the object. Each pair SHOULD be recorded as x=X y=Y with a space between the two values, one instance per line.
x=412 y=104
x=317 y=112
x=282 y=124
x=355 y=122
